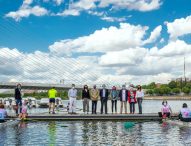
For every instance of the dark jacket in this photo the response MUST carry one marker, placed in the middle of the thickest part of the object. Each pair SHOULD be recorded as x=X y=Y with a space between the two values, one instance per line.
x=85 y=94
x=106 y=93
x=120 y=95
x=17 y=93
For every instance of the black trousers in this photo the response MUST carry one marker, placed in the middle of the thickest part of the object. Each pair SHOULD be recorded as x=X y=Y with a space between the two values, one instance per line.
x=132 y=107
x=114 y=104
x=94 y=107
x=103 y=104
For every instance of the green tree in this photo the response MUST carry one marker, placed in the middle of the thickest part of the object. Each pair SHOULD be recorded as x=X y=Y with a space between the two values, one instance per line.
x=172 y=85
x=150 y=92
x=156 y=91
x=188 y=85
x=166 y=90
x=176 y=90
x=151 y=85
x=186 y=90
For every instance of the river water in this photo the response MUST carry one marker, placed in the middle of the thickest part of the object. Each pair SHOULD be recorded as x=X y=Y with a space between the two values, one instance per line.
x=71 y=133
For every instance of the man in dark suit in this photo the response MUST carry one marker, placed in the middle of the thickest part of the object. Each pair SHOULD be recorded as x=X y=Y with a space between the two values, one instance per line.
x=104 y=93
x=18 y=98
x=123 y=95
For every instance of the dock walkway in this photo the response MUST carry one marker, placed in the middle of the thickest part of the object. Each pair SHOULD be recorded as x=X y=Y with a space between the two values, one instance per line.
x=98 y=117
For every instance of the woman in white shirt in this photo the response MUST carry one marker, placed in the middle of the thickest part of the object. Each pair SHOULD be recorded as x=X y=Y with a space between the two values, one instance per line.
x=139 y=97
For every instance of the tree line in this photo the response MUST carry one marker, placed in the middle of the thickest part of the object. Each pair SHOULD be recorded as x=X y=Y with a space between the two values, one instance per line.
x=172 y=88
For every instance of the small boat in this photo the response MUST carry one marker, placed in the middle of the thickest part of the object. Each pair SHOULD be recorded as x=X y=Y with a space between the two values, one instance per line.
x=9 y=123
x=58 y=102
x=178 y=123
x=44 y=103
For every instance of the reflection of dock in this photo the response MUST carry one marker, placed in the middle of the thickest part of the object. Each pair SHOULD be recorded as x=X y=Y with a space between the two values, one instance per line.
x=98 y=117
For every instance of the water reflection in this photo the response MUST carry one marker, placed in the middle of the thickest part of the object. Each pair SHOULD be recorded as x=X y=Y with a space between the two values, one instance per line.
x=94 y=133
x=52 y=133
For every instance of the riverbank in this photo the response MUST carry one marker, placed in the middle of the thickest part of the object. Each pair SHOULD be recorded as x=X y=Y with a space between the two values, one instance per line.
x=167 y=97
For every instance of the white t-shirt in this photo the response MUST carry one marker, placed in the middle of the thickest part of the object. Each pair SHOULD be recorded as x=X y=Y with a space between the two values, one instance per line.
x=123 y=95
x=139 y=94
x=185 y=112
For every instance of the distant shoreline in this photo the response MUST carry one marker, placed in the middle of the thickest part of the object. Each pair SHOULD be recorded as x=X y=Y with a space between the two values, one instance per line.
x=167 y=97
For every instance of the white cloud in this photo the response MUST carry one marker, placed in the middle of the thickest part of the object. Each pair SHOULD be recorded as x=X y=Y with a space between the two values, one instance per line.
x=58 y=2
x=140 y=5
x=104 y=40
x=155 y=34
x=179 y=27
x=126 y=57
x=25 y=11
x=174 y=48
x=114 y=19
x=75 y=8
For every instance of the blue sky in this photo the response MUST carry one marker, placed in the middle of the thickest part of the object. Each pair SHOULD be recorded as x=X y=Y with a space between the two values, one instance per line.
x=51 y=24
x=37 y=33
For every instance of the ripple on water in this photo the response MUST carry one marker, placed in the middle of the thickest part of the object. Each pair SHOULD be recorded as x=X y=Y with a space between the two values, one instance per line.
x=94 y=133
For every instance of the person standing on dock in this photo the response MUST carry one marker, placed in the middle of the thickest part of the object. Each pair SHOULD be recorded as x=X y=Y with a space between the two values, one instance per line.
x=132 y=99
x=139 y=97
x=18 y=98
x=94 y=93
x=123 y=95
x=72 y=95
x=86 y=99
x=52 y=95
x=114 y=98
x=104 y=97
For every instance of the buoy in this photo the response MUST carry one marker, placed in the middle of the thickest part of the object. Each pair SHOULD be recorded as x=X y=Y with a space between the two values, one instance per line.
x=128 y=125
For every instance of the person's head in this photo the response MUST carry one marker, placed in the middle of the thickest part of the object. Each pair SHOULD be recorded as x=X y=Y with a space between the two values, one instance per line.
x=164 y=103
x=139 y=87
x=94 y=86
x=2 y=106
x=25 y=102
x=123 y=87
x=73 y=86
x=103 y=86
x=53 y=87
x=113 y=88
x=19 y=85
x=85 y=87
x=184 y=105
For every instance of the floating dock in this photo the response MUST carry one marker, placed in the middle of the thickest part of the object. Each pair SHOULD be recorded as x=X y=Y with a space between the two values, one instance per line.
x=97 y=117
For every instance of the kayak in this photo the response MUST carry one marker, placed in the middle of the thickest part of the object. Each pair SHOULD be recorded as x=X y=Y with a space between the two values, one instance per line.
x=9 y=123
x=178 y=123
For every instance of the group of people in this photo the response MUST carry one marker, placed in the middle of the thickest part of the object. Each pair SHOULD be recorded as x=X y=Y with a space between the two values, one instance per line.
x=184 y=114
x=125 y=96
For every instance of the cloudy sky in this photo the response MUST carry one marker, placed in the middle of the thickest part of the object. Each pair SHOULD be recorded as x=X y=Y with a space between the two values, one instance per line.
x=94 y=41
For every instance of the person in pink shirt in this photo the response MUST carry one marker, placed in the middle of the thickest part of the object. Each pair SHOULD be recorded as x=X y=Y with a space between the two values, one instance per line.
x=132 y=99
x=185 y=113
x=165 y=110
x=23 y=115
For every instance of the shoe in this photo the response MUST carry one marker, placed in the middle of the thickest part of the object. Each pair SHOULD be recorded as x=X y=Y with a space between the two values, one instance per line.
x=53 y=113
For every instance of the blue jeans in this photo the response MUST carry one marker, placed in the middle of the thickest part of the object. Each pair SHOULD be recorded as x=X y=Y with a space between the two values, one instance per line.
x=19 y=103
x=139 y=100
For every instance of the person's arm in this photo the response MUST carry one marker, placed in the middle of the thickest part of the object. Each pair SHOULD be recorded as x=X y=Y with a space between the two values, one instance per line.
x=162 y=110
x=143 y=94
x=170 y=109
